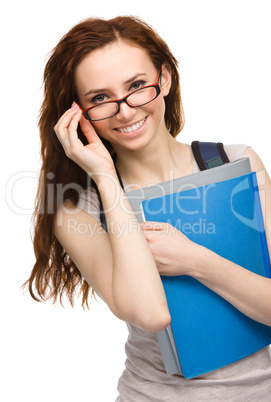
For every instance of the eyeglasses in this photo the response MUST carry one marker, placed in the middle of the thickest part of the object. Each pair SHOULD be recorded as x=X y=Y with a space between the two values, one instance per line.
x=137 y=98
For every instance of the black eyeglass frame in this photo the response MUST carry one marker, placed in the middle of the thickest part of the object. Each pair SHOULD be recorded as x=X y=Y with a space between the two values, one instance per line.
x=157 y=86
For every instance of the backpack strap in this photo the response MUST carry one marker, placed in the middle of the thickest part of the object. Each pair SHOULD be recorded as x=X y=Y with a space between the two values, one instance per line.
x=209 y=154
x=102 y=215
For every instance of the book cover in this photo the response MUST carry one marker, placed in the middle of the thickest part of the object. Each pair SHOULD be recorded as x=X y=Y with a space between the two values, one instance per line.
x=226 y=217
x=227 y=171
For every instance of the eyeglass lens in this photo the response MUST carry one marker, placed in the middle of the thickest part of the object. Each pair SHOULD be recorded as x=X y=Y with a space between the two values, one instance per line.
x=137 y=98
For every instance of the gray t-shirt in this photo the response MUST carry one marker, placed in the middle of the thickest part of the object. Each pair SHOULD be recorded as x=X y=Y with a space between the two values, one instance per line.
x=144 y=378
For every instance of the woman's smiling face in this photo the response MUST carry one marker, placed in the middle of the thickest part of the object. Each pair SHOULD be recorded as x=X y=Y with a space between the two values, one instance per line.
x=111 y=73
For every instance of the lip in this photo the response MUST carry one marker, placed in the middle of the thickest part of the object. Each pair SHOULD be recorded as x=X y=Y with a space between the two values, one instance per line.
x=135 y=132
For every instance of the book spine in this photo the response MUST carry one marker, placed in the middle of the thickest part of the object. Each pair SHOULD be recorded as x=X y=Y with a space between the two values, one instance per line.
x=169 y=351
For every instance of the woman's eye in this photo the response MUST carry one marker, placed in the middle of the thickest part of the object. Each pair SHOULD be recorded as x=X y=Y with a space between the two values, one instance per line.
x=137 y=85
x=99 y=98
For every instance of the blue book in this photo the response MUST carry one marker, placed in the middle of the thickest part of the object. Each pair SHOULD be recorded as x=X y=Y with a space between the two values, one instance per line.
x=226 y=217
x=224 y=172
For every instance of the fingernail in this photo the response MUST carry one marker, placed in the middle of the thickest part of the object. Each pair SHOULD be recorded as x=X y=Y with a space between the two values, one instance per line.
x=74 y=105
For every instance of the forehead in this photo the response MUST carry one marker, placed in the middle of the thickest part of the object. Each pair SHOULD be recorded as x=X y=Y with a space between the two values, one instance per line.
x=115 y=63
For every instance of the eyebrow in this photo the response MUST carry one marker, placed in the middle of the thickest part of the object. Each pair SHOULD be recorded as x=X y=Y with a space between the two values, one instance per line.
x=97 y=91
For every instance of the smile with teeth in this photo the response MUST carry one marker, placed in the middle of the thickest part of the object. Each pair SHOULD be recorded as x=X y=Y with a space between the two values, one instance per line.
x=133 y=127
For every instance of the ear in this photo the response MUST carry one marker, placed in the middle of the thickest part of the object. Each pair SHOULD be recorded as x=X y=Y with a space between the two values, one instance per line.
x=165 y=79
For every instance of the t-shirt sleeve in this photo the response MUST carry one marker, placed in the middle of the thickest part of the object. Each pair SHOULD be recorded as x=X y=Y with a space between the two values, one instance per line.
x=90 y=203
x=235 y=151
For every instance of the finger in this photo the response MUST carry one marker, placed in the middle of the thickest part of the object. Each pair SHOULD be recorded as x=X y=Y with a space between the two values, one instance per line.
x=152 y=226
x=65 y=118
x=147 y=236
x=73 y=125
x=88 y=130
x=62 y=129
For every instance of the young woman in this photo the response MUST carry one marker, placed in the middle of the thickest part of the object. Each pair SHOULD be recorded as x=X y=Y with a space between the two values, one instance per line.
x=95 y=123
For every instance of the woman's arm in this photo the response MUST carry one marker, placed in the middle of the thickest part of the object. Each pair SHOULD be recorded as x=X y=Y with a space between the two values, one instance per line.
x=119 y=266
x=248 y=292
x=137 y=289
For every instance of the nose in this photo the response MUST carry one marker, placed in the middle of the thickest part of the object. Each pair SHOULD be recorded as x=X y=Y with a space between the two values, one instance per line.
x=126 y=112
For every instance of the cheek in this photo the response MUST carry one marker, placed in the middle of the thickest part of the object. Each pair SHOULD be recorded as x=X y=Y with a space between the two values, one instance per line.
x=157 y=105
x=156 y=108
x=100 y=127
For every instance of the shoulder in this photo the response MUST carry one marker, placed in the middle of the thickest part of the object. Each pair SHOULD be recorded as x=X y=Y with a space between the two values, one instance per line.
x=235 y=151
x=255 y=160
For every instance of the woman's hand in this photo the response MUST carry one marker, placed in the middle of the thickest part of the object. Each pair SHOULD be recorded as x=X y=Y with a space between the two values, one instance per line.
x=94 y=158
x=173 y=252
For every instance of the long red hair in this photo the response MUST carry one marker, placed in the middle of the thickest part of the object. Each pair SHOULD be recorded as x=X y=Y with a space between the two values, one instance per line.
x=54 y=273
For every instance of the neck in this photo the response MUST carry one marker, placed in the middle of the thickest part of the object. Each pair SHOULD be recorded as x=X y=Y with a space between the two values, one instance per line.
x=159 y=161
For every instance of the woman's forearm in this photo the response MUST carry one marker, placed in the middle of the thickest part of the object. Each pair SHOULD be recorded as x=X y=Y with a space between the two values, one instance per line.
x=137 y=289
x=248 y=292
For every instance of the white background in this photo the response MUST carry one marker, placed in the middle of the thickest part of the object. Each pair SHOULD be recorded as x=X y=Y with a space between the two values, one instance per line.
x=53 y=354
